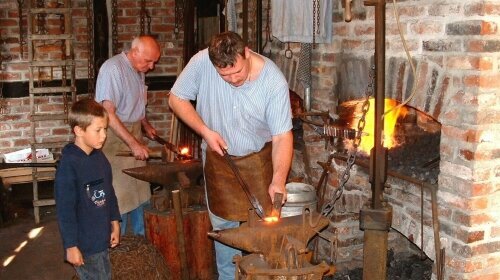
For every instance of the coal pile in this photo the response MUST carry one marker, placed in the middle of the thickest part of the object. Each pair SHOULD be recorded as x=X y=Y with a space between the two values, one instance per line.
x=399 y=267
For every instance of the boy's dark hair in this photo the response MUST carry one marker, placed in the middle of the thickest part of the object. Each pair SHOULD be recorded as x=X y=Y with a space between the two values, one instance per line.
x=224 y=48
x=84 y=111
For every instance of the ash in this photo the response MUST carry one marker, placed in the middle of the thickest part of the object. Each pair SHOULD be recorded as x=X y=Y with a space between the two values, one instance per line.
x=399 y=267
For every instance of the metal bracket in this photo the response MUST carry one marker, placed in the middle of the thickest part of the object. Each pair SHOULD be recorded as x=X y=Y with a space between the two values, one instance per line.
x=376 y=219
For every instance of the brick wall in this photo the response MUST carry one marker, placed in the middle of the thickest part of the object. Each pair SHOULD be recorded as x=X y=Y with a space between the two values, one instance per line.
x=14 y=123
x=456 y=49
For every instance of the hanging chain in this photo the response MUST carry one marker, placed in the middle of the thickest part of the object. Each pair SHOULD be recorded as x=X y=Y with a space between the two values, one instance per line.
x=149 y=19
x=318 y=16
x=114 y=26
x=40 y=18
x=62 y=28
x=329 y=206
x=268 y=20
x=179 y=16
x=142 y=16
x=90 y=48
x=316 y=20
x=22 y=42
x=64 y=69
x=2 y=99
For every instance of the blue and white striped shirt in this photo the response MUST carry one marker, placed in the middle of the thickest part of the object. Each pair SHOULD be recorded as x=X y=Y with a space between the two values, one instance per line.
x=246 y=116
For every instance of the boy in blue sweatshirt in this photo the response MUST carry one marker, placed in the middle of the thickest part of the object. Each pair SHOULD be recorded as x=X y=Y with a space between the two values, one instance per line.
x=87 y=210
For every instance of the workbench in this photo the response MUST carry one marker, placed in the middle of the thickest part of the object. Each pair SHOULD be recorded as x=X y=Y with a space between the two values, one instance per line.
x=12 y=176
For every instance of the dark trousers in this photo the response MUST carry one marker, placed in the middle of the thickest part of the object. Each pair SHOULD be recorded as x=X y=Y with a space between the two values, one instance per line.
x=96 y=267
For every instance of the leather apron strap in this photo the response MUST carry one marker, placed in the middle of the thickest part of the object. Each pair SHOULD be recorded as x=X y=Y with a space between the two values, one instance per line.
x=226 y=197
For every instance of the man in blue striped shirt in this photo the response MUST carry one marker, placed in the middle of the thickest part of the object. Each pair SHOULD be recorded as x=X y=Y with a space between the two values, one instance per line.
x=242 y=103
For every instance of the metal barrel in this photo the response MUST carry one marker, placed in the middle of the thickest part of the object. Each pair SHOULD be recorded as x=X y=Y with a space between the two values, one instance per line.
x=299 y=197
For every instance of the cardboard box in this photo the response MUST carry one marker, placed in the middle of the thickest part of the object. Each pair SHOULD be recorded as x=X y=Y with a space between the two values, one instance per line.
x=24 y=155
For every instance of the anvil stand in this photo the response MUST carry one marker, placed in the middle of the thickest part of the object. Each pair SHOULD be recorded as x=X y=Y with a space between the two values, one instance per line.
x=376 y=219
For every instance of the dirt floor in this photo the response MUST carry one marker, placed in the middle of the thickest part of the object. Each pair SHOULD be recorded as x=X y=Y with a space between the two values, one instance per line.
x=30 y=251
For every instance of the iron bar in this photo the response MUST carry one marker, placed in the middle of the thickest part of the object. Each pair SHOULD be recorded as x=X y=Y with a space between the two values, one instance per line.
x=376 y=219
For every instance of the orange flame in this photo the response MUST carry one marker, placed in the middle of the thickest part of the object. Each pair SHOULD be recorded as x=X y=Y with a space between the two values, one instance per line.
x=390 y=119
x=271 y=219
x=184 y=151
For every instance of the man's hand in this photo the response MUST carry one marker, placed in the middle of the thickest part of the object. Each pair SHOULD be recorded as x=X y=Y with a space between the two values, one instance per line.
x=277 y=188
x=148 y=129
x=140 y=151
x=74 y=256
x=214 y=141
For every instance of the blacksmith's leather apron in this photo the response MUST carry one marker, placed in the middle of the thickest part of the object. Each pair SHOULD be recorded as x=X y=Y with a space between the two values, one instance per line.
x=226 y=197
x=130 y=192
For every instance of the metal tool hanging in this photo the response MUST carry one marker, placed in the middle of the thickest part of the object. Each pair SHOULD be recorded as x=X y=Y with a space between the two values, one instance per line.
x=22 y=42
x=266 y=48
x=114 y=26
x=142 y=17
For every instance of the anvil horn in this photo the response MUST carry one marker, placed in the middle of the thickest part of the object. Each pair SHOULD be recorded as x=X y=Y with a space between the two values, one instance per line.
x=264 y=237
x=167 y=173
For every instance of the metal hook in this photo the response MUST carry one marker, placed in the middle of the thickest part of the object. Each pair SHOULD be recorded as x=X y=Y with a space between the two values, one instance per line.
x=288 y=51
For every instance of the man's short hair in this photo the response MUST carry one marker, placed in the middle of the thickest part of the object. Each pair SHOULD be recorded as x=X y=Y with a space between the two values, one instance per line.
x=224 y=48
x=84 y=111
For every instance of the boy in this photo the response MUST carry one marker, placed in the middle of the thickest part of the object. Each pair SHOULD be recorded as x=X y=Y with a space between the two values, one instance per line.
x=87 y=210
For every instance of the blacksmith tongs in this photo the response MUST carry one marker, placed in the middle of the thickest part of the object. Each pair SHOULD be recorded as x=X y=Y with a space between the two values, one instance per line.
x=253 y=199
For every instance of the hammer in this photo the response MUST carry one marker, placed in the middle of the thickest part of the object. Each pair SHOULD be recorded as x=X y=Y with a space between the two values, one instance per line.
x=276 y=211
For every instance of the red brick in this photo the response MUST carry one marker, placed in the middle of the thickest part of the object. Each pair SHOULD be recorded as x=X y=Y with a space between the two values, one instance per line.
x=351 y=44
x=427 y=27
x=61 y=131
x=128 y=20
x=82 y=13
x=474 y=9
x=21 y=143
x=488 y=28
x=444 y=10
x=486 y=248
x=8 y=22
x=492 y=8
x=471 y=136
x=10 y=76
x=129 y=4
x=487 y=276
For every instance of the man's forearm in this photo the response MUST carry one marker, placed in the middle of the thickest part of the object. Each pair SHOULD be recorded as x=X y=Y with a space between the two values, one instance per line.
x=117 y=125
x=282 y=157
x=185 y=111
x=121 y=131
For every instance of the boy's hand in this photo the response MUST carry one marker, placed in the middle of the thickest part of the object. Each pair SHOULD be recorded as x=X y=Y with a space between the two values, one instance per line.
x=115 y=234
x=74 y=256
